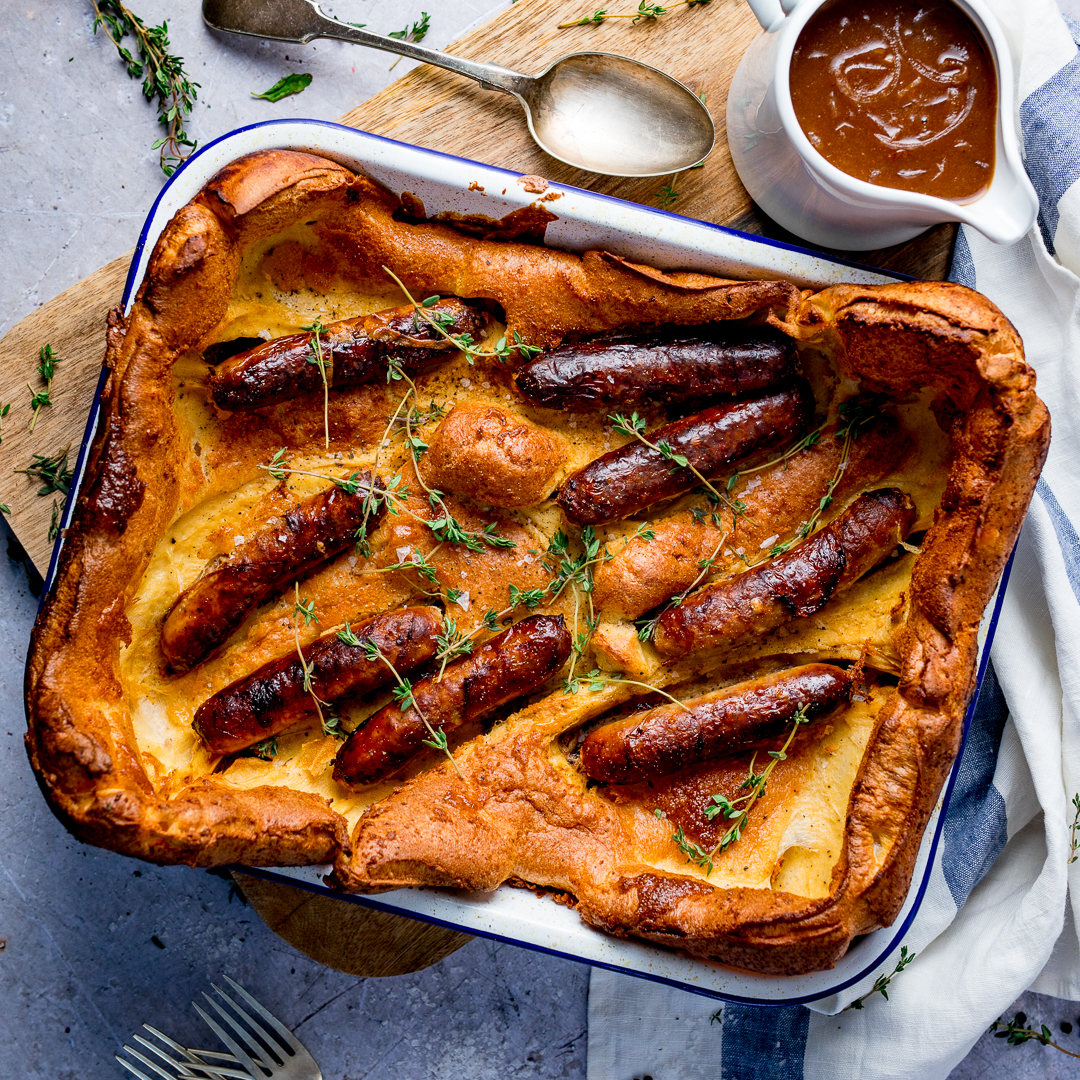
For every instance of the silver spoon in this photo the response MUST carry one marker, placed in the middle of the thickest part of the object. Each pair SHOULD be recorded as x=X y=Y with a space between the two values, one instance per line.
x=596 y=111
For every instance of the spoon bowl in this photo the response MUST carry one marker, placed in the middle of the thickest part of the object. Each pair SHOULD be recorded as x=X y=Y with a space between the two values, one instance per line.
x=597 y=111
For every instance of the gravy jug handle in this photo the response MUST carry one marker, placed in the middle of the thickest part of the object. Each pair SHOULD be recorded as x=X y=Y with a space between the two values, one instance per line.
x=771 y=13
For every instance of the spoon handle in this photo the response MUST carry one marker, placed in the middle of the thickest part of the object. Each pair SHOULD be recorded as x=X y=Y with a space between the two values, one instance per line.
x=490 y=76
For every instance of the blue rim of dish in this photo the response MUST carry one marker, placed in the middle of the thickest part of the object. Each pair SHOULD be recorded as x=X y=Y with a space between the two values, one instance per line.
x=80 y=464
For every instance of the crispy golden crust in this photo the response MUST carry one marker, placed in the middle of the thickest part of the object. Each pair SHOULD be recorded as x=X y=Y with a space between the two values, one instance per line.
x=514 y=805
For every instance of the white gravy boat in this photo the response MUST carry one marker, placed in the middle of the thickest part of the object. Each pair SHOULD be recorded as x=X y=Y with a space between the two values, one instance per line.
x=794 y=184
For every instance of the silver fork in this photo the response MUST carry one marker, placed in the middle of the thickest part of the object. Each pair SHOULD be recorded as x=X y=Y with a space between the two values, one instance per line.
x=190 y=1065
x=280 y=1055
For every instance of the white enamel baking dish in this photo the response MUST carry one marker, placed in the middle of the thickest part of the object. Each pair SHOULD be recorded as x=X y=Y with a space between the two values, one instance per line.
x=656 y=237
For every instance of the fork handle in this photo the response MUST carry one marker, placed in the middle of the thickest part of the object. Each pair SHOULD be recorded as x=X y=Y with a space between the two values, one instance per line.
x=489 y=76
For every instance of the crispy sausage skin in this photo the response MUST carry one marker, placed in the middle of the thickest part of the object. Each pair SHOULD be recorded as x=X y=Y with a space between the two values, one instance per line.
x=273 y=699
x=664 y=740
x=354 y=351
x=795 y=584
x=688 y=364
x=511 y=664
x=312 y=532
x=624 y=481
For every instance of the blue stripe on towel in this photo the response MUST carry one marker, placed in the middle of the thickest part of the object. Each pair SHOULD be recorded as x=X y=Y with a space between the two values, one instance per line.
x=976 y=827
x=1052 y=142
x=962 y=270
x=763 y=1043
x=1067 y=539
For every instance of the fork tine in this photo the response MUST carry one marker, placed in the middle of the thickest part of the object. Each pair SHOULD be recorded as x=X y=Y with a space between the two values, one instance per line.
x=148 y=1063
x=181 y=1067
x=271 y=1042
x=131 y=1068
x=272 y=1051
x=191 y=1067
x=291 y=1040
x=245 y=1058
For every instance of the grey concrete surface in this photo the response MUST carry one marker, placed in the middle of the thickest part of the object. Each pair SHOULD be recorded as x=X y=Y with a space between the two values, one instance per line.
x=93 y=944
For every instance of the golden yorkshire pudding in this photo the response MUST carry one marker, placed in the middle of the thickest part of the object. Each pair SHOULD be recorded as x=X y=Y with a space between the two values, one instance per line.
x=457 y=562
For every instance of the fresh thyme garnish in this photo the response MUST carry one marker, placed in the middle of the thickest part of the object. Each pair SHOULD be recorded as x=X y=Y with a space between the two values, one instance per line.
x=464 y=342
x=634 y=425
x=854 y=417
x=650 y=12
x=596 y=680
x=163 y=76
x=54 y=520
x=321 y=361
x=295 y=83
x=305 y=609
x=737 y=810
x=264 y=751
x=53 y=472
x=331 y=727
x=416 y=32
x=403 y=695
x=4 y=410
x=667 y=194
x=47 y=361
x=1016 y=1033
x=1074 y=841
x=881 y=983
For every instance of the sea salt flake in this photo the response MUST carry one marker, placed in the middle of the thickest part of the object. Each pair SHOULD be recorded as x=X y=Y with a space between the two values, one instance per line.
x=463 y=600
x=768 y=541
x=405 y=554
x=237 y=541
x=754 y=482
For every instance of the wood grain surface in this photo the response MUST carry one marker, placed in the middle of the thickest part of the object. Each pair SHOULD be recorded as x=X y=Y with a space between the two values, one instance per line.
x=441 y=111
x=347 y=936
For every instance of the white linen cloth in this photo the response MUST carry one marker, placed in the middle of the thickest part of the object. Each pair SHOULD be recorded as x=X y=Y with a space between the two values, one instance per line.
x=996 y=919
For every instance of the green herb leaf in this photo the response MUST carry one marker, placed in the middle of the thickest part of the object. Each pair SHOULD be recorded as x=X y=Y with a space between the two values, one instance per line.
x=295 y=83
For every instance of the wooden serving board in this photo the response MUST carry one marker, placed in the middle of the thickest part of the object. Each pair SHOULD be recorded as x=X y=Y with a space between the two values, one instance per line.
x=435 y=109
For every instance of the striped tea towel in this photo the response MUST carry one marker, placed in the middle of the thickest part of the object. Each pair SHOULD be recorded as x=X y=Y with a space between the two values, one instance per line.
x=995 y=919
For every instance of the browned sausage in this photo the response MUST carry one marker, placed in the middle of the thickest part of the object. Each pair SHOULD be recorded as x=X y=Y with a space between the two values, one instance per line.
x=354 y=351
x=685 y=364
x=511 y=664
x=664 y=740
x=287 y=548
x=795 y=584
x=626 y=480
x=273 y=699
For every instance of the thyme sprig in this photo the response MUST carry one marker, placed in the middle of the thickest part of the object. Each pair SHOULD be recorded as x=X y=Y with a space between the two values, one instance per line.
x=881 y=983
x=1017 y=1032
x=1074 y=840
x=503 y=351
x=52 y=471
x=737 y=811
x=322 y=362
x=404 y=696
x=854 y=416
x=647 y=10
x=162 y=73
x=47 y=361
x=596 y=680
x=305 y=609
x=635 y=426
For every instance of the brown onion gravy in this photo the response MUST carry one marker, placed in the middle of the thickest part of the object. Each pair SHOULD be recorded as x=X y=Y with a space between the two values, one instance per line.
x=899 y=93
